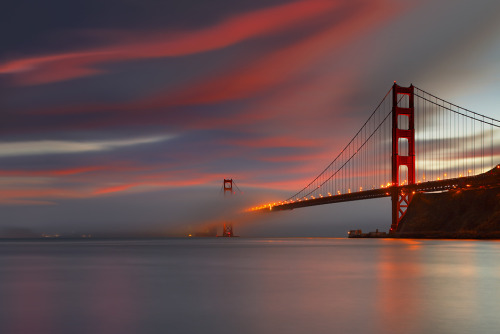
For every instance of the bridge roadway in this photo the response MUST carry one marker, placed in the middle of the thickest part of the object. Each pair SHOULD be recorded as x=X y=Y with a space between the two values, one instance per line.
x=488 y=179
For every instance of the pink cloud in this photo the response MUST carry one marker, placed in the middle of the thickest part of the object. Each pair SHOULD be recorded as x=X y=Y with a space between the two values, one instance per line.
x=111 y=181
x=7 y=201
x=281 y=141
x=158 y=181
x=8 y=195
x=282 y=65
x=64 y=66
x=114 y=168
x=260 y=75
x=58 y=172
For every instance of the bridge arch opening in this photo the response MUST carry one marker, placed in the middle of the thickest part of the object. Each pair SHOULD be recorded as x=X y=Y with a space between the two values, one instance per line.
x=403 y=122
x=403 y=147
x=403 y=175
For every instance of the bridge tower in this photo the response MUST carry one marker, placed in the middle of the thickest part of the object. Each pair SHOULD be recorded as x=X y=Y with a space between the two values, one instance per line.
x=228 y=186
x=227 y=229
x=403 y=135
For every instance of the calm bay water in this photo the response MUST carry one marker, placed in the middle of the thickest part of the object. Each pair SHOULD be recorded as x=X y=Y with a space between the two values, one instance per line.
x=250 y=286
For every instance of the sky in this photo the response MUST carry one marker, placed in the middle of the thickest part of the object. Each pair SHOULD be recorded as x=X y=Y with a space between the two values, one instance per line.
x=124 y=117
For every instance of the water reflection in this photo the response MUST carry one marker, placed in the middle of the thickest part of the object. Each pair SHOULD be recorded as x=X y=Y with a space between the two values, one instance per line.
x=24 y=290
x=108 y=296
x=399 y=279
x=250 y=286
x=453 y=288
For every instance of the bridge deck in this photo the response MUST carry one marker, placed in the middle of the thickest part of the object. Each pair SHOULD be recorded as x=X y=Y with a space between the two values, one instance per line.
x=488 y=179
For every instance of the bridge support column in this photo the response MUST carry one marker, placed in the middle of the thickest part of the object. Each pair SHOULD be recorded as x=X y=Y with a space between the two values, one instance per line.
x=403 y=130
x=227 y=229
x=400 y=202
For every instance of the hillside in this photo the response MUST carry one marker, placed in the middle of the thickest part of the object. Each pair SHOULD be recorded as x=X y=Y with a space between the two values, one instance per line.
x=462 y=213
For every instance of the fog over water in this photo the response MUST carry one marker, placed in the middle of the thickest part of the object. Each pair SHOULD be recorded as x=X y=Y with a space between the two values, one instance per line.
x=182 y=211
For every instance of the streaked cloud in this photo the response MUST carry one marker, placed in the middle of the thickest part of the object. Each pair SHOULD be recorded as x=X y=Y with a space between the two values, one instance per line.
x=64 y=66
x=265 y=92
x=43 y=147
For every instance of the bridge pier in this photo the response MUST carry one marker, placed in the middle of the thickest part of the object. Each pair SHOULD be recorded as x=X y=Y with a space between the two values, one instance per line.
x=227 y=230
x=401 y=199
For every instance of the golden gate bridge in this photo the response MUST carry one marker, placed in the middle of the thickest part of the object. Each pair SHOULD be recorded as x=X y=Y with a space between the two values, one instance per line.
x=412 y=142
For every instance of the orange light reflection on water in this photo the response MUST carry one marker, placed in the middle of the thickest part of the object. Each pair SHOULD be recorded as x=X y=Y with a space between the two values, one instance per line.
x=398 y=285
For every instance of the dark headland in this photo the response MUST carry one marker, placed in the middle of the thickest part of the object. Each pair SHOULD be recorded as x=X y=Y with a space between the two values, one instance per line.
x=457 y=214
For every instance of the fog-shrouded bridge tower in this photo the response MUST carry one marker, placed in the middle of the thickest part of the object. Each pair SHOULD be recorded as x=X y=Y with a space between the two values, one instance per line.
x=227 y=228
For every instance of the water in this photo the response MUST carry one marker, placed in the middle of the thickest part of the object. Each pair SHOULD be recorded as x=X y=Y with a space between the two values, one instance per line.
x=249 y=286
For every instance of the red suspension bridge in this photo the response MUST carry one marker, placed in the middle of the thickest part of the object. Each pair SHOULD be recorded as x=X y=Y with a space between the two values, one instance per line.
x=412 y=142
